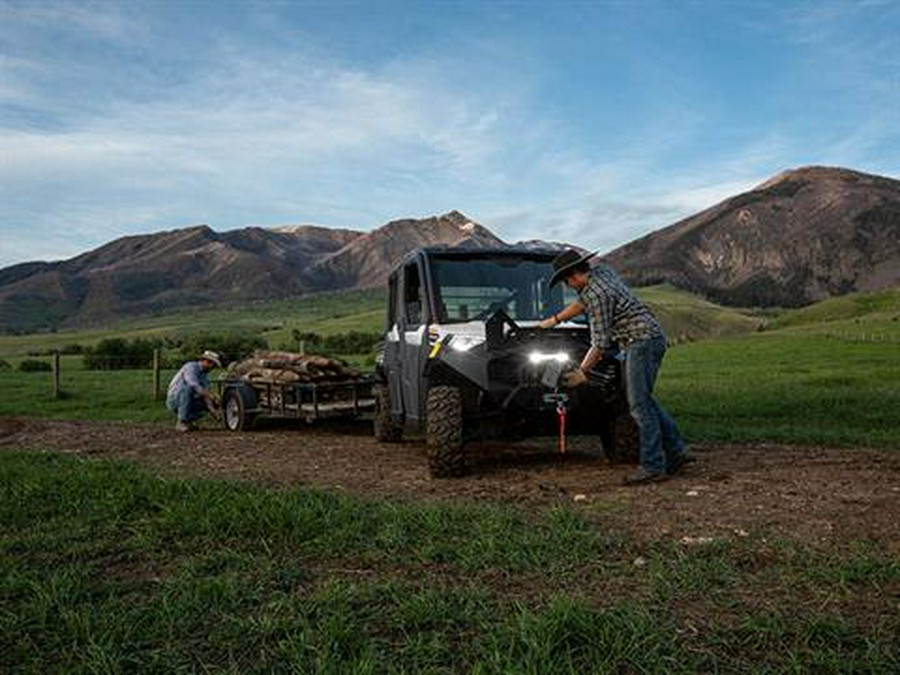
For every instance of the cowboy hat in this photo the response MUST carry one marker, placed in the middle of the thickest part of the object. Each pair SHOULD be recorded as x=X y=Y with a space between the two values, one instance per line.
x=565 y=261
x=212 y=357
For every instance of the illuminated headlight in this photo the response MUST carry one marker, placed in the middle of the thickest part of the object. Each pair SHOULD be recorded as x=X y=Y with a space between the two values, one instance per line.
x=463 y=343
x=542 y=357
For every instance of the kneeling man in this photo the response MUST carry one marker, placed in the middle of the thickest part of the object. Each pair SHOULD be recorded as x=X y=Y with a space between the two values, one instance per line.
x=189 y=395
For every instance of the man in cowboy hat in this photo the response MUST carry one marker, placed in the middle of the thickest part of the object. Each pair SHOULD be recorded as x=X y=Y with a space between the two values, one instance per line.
x=189 y=395
x=617 y=316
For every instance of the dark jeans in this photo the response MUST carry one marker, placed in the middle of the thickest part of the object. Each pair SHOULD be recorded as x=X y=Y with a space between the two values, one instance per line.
x=660 y=440
x=187 y=404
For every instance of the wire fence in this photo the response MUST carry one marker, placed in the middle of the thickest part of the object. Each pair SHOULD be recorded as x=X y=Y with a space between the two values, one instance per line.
x=53 y=364
x=862 y=337
x=67 y=367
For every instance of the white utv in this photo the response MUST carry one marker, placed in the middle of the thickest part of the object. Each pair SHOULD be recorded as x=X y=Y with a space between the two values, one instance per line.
x=463 y=357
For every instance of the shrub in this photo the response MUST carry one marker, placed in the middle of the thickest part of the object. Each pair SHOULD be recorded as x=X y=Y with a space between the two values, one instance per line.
x=311 y=340
x=119 y=354
x=34 y=366
x=5 y=365
x=231 y=346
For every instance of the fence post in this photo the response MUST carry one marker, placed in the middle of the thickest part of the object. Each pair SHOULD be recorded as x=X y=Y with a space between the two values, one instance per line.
x=303 y=347
x=56 y=389
x=156 y=374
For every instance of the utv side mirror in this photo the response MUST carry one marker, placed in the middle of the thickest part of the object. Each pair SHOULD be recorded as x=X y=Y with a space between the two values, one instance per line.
x=497 y=328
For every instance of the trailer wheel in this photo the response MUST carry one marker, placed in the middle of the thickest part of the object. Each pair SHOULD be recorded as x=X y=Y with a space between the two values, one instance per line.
x=387 y=429
x=621 y=440
x=443 y=432
x=237 y=401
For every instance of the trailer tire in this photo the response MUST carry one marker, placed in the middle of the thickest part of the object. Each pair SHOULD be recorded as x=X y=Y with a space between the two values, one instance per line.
x=236 y=402
x=443 y=432
x=387 y=429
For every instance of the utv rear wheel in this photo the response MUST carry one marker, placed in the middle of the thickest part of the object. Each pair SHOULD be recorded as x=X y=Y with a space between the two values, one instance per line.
x=443 y=432
x=387 y=429
x=621 y=441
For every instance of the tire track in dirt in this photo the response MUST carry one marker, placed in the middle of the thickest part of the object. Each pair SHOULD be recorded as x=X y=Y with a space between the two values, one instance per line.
x=813 y=494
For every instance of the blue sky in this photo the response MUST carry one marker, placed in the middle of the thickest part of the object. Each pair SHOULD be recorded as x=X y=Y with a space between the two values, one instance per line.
x=587 y=122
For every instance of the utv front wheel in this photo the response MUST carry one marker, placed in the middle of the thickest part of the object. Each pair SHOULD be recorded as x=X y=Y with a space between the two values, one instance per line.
x=387 y=429
x=443 y=432
x=621 y=441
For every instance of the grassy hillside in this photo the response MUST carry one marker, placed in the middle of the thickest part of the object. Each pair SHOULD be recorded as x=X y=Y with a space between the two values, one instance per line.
x=824 y=374
x=871 y=316
x=684 y=316
x=324 y=313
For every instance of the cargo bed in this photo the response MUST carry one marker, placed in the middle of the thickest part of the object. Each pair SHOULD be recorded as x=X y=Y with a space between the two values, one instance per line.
x=244 y=400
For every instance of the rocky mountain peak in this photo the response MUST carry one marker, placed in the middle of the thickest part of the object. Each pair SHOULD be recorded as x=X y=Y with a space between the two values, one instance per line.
x=367 y=261
x=801 y=236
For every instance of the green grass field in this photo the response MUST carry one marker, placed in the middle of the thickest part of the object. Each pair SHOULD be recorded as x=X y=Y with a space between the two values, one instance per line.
x=825 y=374
x=105 y=568
x=785 y=387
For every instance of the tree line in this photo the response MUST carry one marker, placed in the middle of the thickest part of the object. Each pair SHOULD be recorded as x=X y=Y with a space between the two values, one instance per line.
x=122 y=353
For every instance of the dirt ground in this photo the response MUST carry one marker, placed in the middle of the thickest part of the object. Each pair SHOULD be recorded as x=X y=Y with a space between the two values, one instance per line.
x=816 y=495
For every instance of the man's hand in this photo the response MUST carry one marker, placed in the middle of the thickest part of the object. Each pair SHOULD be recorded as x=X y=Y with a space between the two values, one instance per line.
x=574 y=378
x=212 y=405
x=548 y=323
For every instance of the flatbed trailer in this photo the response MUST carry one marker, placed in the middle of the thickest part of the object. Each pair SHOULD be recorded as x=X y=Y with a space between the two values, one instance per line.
x=244 y=400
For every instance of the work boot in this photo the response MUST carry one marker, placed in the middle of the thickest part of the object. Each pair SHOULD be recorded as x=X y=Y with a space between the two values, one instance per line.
x=185 y=426
x=643 y=477
x=679 y=461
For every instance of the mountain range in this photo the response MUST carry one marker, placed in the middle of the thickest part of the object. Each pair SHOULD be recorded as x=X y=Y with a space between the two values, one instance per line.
x=802 y=236
x=197 y=266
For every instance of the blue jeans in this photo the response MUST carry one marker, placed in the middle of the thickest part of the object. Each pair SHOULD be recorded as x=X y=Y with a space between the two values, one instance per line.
x=660 y=440
x=187 y=404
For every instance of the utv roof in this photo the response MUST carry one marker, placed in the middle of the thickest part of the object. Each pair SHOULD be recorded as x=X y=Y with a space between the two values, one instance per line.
x=480 y=253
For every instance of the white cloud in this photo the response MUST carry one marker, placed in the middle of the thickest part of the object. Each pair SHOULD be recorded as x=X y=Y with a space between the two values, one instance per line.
x=245 y=132
x=103 y=20
x=142 y=133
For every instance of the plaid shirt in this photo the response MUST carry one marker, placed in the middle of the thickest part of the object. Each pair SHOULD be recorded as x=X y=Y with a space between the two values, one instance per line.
x=615 y=314
x=189 y=375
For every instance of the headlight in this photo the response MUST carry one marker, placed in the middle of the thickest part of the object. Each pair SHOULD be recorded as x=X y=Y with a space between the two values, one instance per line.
x=542 y=357
x=463 y=343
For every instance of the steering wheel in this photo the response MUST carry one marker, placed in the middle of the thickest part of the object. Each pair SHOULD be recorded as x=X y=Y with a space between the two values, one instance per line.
x=494 y=307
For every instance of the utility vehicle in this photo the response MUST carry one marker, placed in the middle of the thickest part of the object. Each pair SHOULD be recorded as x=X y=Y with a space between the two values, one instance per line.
x=463 y=357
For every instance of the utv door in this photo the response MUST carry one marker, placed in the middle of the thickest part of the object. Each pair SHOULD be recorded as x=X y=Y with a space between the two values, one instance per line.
x=413 y=342
x=392 y=360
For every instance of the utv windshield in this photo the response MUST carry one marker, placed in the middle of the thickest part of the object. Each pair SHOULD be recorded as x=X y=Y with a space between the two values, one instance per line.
x=474 y=289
